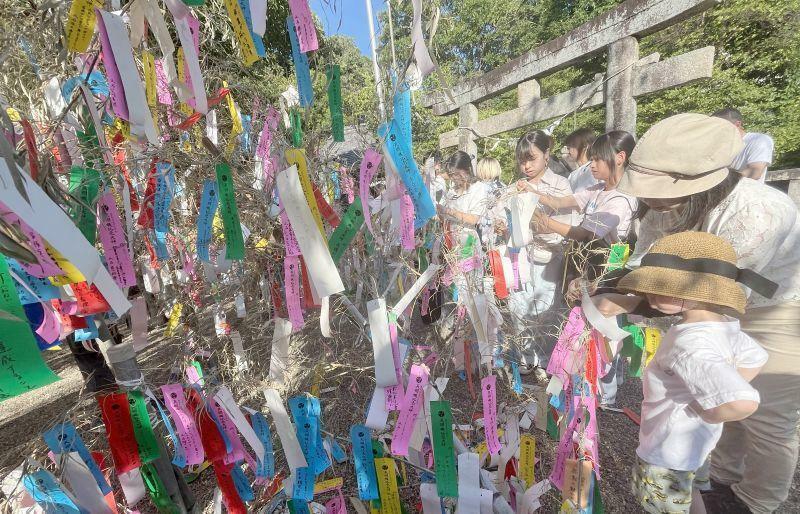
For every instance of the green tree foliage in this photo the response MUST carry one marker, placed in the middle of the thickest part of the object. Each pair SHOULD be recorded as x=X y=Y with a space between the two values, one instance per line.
x=756 y=65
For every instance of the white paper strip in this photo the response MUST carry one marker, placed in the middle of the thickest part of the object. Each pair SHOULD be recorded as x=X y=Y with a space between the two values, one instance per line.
x=192 y=61
x=377 y=414
x=469 y=489
x=431 y=503
x=141 y=120
x=258 y=13
x=279 y=360
x=238 y=351
x=511 y=437
x=139 y=324
x=606 y=326
x=522 y=206
x=415 y=289
x=321 y=268
x=423 y=58
x=132 y=486
x=385 y=375
x=211 y=126
x=286 y=433
x=325 y=317
x=82 y=483
x=47 y=218
x=225 y=400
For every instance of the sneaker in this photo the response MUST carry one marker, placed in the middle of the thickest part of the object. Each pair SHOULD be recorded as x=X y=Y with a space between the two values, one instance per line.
x=722 y=501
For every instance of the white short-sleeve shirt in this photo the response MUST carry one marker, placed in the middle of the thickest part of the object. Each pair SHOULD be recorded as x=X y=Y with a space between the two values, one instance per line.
x=695 y=362
x=757 y=148
x=607 y=214
x=581 y=178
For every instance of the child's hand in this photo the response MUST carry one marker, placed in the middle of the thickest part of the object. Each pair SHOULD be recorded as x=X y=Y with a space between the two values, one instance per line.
x=524 y=185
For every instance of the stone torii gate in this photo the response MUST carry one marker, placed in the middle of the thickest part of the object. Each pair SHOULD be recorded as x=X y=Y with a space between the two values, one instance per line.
x=629 y=76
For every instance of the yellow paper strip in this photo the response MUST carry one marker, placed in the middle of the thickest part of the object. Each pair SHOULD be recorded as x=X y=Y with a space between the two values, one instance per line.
x=80 y=24
x=652 y=340
x=174 y=319
x=527 y=458
x=328 y=485
x=149 y=68
x=246 y=45
x=297 y=157
x=183 y=106
x=387 y=486
x=71 y=274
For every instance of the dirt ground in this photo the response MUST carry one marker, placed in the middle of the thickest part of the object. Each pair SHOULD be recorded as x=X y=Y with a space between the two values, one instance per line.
x=344 y=396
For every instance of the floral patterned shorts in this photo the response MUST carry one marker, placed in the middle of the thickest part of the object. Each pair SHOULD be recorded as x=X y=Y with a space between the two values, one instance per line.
x=661 y=490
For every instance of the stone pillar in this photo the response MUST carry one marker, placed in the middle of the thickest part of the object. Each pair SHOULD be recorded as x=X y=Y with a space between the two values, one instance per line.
x=527 y=92
x=468 y=117
x=620 y=103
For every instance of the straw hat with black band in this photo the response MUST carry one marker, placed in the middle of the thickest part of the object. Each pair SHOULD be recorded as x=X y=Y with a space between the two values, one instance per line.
x=695 y=266
x=680 y=156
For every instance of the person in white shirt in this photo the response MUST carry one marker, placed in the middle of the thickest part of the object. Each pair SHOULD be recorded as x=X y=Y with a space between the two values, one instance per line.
x=539 y=259
x=578 y=143
x=488 y=172
x=466 y=201
x=680 y=171
x=699 y=377
x=607 y=213
x=753 y=160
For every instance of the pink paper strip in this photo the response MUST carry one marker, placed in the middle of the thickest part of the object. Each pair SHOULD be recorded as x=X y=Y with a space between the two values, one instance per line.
x=564 y=452
x=112 y=237
x=50 y=328
x=563 y=354
x=184 y=423
x=412 y=403
x=336 y=505
x=194 y=27
x=347 y=184
x=407 y=222
x=162 y=86
x=304 y=24
x=118 y=101
x=291 y=280
x=489 y=392
x=289 y=239
x=515 y=267
x=369 y=167
x=46 y=266
x=237 y=452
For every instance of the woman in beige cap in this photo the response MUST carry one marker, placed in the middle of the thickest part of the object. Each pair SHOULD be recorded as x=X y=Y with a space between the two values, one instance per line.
x=699 y=377
x=679 y=171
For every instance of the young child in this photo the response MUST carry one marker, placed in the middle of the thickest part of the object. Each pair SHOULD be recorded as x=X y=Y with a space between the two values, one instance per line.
x=699 y=377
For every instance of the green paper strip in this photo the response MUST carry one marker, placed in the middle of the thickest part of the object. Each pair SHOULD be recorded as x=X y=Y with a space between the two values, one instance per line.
x=334 y=74
x=142 y=429
x=90 y=147
x=552 y=426
x=297 y=128
x=158 y=493
x=633 y=347
x=21 y=366
x=444 y=458
x=597 y=501
x=377 y=453
x=422 y=258
x=348 y=228
x=617 y=257
x=84 y=183
x=469 y=247
x=195 y=3
x=234 y=243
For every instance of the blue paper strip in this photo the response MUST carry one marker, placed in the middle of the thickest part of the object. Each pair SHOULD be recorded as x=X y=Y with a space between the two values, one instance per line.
x=402 y=113
x=40 y=286
x=399 y=152
x=63 y=438
x=179 y=459
x=165 y=191
x=517 y=378
x=301 y=69
x=364 y=462
x=248 y=18
x=336 y=449
x=266 y=468
x=205 y=218
x=242 y=485
x=307 y=426
x=88 y=333
x=44 y=489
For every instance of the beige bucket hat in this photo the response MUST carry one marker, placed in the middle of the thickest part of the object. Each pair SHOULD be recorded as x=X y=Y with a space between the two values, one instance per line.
x=695 y=266
x=680 y=156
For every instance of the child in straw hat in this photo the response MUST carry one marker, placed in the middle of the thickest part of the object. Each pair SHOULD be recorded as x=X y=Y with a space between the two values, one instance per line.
x=699 y=378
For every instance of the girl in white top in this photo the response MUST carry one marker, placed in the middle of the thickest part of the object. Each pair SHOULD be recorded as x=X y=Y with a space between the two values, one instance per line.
x=543 y=256
x=578 y=143
x=466 y=201
x=607 y=213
